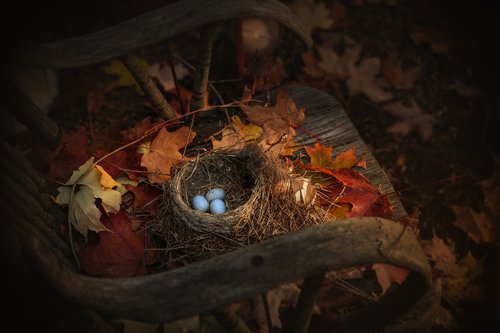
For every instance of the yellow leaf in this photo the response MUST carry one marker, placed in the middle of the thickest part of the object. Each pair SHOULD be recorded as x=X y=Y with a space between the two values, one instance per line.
x=82 y=170
x=106 y=180
x=320 y=155
x=123 y=76
x=83 y=213
x=237 y=135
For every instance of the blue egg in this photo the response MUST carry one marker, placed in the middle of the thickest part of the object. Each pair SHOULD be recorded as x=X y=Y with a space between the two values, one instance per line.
x=215 y=193
x=200 y=203
x=217 y=206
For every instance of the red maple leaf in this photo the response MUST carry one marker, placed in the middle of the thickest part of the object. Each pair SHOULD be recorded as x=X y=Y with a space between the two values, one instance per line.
x=60 y=163
x=119 y=252
x=146 y=197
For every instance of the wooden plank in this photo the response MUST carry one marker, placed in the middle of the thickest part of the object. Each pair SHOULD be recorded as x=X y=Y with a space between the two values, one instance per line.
x=153 y=27
x=202 y=286
x=326 y=118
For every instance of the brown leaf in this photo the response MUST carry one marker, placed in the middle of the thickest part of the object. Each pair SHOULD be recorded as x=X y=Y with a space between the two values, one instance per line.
x=437 y=40
x=119 y=252
x=361 y=80
x=287 y=293
x=491 y=188
x=165 y=153
x=481 y=227
x=312 y=14
x=388 y=274
x=437 y=250
x=311 y=65
x=412 y=118
x=237 y=135
x=338 y=67
x=278 y=122
x=394 y=73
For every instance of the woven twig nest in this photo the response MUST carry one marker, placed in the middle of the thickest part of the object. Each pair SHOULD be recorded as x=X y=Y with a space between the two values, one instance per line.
x=235 y=171
x=260 y=198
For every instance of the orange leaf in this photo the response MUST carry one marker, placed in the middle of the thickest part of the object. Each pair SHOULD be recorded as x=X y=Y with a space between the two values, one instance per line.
x=388 y=274
x=320 y=155
x=345 y=160
x=165 y=153
x=119 y=252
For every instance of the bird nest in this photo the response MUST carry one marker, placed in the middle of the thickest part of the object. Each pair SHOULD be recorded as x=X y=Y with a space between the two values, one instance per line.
x=260 y=200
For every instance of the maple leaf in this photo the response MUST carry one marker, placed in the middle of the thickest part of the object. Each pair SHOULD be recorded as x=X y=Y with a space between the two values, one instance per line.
x=338 y=67
x=80 y=192
x=163 y=73
x=237 y=135
x=165 y=153
x=145 y=196
x=68 y=156
x=123 y=78
x=437 y=40
x=361 y=80
x=278 y=122
x=387 y=275
x=119 y=252
x=439 y=251
x=491 y=188
x=321 y=157
x=412 y=118
x=394 y=73
x=481 y=227
x=311 y=65
x=288 y=293
x=312 y=15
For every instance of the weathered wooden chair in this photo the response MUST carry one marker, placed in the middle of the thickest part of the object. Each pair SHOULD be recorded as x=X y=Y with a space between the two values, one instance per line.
x=31 y=217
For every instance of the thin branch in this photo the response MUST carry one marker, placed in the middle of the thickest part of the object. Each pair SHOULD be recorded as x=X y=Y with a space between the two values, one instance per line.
x=131 y=61
x=176 y=81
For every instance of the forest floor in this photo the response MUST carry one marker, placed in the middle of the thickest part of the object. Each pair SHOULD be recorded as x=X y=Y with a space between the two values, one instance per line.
x=419 y=80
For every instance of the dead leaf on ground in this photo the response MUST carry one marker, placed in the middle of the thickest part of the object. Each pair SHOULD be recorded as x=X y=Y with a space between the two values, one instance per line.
x=481 y=227
x=437 y=40
x=387 y=275
x=412 y=118
x=338 y=67
x=164 y=153
x=462 y=89
x=400 y=78
x=362 y=80
x=312 y=14
x=163 y=73
x=119 y=252
x=491 y=188
x=438 y=250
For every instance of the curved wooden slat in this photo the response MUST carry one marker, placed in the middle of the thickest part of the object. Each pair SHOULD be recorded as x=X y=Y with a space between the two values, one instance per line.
x=151 y=28
x=237 y=275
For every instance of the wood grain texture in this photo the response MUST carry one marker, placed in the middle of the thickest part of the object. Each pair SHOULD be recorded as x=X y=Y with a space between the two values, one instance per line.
x=153 y=27
x=200 y=287
x=326 y=118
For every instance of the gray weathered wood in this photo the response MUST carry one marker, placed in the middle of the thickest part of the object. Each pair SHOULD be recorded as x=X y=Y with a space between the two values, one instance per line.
x=326 y=118
x=153 y=27
x=240 y=274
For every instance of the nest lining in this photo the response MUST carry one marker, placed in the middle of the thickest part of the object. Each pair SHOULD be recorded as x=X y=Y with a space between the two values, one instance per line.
x=260 y=204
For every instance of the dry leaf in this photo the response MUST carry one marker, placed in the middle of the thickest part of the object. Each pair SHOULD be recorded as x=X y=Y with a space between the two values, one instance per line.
x=361 y=80
x=338 y=67
x=491 y=188
x=237 y=135
x=278 y=122
x=312 y=14
x=388 y=274
x=412 y=118
x=437 y=250
x=394 y=73
x=311 y=65
x=165 y=153
x=163 y=73
x=123 y=76
x=481 y=227
x=286 y=293
x=437 y=40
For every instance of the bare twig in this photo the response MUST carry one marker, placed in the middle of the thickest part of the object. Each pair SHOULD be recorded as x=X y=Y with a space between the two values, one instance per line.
x=176 y=82
x=148 y=86
x=202 y=67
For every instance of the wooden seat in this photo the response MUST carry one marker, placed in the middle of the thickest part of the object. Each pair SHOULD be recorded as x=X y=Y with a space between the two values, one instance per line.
x=203 y=286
